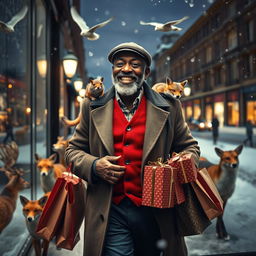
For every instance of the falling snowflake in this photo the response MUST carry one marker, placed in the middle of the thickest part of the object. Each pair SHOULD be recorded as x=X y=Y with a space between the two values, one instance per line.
x=210 y=1
x=123 y=23
x=226 y=50
x=186 y=1
x=136 y=31
x=238 y=12
x=97 y=64
x=240 y=34
x=161 y=244
x=191 y=5
x=96 y=9
x=90 y=53
x=192 y=59
x=168 y=58
x=107 y=12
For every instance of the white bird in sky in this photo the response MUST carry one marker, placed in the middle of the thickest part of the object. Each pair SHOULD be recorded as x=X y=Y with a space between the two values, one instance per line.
x=87 y=32
x=8 y=27
x=165 y=27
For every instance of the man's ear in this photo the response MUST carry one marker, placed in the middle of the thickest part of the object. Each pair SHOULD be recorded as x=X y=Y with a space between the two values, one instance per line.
x=147 y=72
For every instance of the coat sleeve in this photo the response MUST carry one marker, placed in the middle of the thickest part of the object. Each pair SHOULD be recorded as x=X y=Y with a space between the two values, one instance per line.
x=78 y=150
x=183 y=139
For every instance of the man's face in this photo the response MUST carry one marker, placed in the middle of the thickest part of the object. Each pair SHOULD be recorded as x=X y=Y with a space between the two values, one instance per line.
x=128 y=73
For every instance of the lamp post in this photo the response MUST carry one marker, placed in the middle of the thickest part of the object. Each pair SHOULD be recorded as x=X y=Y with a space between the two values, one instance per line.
x=70 y=64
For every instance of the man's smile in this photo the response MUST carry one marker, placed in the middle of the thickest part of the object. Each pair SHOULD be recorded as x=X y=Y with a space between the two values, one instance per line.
x=126 y=79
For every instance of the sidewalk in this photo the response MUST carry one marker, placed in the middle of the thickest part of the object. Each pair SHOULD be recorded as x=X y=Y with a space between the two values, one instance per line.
x=236 y=130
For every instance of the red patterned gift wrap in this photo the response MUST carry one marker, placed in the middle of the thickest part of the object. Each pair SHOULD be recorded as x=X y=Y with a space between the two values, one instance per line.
x=160 y=187
x=185 y=166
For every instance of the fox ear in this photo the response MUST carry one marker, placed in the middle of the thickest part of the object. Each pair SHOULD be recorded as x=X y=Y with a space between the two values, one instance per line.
x=218 y=151
x=37 y=157
x=91 y=81
x=43 y=200
x=53 y=157
x=239 y=149
x=183 y=83
x=101 y=79
x=168 y=80
x=23 y=200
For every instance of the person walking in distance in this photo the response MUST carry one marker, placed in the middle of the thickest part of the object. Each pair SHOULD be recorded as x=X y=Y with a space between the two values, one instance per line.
x=118 y=134
x=215 y=129
x=249 y=133
x=9 y=131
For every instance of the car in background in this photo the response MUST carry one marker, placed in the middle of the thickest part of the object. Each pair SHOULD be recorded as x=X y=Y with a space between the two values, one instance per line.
x=199 y=125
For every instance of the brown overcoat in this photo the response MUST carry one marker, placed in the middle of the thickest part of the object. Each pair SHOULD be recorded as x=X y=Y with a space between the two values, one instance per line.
x=166 y=132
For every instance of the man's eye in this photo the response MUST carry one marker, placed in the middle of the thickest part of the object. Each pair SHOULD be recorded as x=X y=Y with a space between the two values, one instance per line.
x=119 y=64
x=135 y=65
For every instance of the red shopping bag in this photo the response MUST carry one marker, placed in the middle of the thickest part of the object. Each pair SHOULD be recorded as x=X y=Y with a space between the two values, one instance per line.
x=207 y=194
x=64 y=211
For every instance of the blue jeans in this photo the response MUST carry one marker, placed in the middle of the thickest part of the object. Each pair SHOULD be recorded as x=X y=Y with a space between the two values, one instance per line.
x=132 y=231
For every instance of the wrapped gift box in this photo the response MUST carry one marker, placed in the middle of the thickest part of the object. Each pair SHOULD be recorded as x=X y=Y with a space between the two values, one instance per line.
x=160 y=187
x=185 y=166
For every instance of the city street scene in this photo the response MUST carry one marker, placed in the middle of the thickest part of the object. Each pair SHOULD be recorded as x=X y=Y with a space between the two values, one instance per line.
x=111 y=87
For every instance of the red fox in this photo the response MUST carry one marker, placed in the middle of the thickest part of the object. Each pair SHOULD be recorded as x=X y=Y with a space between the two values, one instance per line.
x=32 y=210
x=174 y=89
x=94 y=90
x=49 y=171
x=224 y=176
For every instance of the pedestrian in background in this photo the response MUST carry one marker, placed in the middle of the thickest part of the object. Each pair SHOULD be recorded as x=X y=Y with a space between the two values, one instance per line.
x=9 y=131
x=215 y=129
x=249 y=133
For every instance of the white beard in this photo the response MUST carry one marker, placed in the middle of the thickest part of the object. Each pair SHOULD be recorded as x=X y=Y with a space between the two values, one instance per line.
x=127 y=89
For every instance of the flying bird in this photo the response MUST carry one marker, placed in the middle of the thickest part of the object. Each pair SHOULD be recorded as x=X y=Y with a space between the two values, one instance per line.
x=87 y=32
x=165 y=27
x=9 y=26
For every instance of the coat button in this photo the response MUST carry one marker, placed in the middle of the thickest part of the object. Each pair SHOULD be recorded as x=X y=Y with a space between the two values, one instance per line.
x=102 y=217
x=126 y=144
x=127 y=162
x=128 y=128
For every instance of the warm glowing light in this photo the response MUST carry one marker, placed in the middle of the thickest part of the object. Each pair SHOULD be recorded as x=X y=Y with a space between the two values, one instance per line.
x=9 y=86
x=28 y=110
x=79 y=98
x=187 y=91
x=70 y=64
x=42 y=67
x=78 y=83
x=82 y=92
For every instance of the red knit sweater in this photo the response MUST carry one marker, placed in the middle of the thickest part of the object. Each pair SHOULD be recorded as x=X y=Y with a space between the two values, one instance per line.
x=128 y=142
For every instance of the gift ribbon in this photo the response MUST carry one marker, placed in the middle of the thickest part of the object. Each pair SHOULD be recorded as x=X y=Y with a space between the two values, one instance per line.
x=159 y=162
x=170 y=197
x=153 y=186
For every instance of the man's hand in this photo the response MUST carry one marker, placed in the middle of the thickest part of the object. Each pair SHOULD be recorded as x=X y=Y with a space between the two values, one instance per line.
x=108 y=171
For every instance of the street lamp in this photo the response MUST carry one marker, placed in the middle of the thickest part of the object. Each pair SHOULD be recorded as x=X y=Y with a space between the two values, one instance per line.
x=82 y=93
x=42 y=66
x=70 y=64
x=78 y=84
x=187 y=90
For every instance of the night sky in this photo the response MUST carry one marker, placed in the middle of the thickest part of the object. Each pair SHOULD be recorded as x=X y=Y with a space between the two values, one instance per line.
x=125 y=27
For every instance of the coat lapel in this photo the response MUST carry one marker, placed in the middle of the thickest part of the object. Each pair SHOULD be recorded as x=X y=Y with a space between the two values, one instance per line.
x=103 y=110
x=157 y=116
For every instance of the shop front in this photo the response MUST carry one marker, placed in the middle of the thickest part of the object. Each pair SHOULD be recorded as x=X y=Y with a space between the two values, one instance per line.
x=218 y=107
x=250 y=103
x=208 y=108
x=233 y=108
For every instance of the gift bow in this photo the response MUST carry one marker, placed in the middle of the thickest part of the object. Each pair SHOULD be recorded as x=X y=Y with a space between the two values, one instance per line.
x=177 y=156
x=159 y=162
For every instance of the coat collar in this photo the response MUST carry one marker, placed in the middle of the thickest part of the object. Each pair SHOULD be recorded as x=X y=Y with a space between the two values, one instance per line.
x=151 y=95
x=157 y=109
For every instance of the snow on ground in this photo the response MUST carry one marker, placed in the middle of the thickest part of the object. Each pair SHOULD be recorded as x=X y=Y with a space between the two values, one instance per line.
x=240 y=212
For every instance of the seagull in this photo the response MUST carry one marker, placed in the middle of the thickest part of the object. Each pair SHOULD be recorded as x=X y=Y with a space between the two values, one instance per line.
x=9 y=26
x=85 y=30
x=165 y=27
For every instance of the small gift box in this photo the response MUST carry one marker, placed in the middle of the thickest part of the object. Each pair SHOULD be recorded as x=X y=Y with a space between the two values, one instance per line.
x=160 y=187
x=185 y=166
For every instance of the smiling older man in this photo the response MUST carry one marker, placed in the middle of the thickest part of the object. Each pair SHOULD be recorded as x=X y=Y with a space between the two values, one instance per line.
x=118 y=134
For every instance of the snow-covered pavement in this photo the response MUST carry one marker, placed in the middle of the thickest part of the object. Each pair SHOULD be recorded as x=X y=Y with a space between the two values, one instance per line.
x=240 y=212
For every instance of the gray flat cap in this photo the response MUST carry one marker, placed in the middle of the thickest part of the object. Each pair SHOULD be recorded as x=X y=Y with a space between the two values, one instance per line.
x=130 y=47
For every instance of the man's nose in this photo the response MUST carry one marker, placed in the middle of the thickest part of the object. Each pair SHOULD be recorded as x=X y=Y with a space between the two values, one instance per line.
x=127 y=68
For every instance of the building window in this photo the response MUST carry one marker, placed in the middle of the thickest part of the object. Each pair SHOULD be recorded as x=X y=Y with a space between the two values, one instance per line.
x=252 y=65
x=208 y=54
x=217 y=76
x=232 y=39
x=251 y=111
x=232 y=9
x=250 y=33
x=207 y=84
x=234 y=73
x=233 y=113
x=219 y=112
